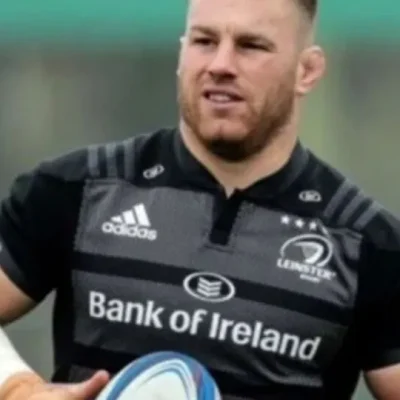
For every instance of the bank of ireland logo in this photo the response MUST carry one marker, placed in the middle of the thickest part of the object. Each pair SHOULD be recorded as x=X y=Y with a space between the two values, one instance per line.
x=209 y=287
x=308 y=255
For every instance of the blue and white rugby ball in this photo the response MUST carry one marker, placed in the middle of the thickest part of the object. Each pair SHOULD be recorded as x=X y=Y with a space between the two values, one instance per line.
x=162 y=376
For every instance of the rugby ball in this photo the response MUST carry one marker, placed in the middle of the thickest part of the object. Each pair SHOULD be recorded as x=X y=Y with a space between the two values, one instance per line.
x=162 y=376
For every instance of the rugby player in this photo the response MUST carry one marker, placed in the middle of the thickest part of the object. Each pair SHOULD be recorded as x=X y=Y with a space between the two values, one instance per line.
x=224 y=238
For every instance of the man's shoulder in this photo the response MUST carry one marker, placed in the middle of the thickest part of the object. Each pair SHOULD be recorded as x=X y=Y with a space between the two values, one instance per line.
x=113 y=159
x=346 y=205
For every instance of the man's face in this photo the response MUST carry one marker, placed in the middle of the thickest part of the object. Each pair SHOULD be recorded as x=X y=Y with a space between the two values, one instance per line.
x=238 y=71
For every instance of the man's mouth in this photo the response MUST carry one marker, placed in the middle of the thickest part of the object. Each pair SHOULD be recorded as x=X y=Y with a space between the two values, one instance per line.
x=222 y=96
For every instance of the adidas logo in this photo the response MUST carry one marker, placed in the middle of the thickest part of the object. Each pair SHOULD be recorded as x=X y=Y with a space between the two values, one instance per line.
x=133 y=223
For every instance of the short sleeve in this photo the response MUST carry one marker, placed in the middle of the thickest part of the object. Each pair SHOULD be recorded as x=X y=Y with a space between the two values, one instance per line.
x=32 y=233
x=378 y=316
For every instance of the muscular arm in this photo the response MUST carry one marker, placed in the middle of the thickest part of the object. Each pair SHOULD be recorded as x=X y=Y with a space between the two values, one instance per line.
x=13 y=305
x=18 y=381
x=25 y=274
x=13 y=302
x=37 y=222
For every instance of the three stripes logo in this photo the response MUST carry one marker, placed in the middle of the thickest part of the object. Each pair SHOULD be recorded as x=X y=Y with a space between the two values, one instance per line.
x=133 y=223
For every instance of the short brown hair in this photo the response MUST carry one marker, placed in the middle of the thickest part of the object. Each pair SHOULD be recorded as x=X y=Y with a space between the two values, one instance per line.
x=310 y=7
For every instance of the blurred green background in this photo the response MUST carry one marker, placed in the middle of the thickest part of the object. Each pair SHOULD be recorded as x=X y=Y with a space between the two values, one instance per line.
x=80 y=71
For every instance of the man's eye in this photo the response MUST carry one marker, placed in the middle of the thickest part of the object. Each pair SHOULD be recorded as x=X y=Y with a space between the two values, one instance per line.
x=252 y=46
x=202 y=41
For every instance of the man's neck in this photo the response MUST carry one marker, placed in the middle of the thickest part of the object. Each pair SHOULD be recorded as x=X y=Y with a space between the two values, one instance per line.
x=240 y=175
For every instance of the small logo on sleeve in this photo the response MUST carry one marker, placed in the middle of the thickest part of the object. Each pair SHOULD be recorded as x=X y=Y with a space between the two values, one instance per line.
x=310 y=196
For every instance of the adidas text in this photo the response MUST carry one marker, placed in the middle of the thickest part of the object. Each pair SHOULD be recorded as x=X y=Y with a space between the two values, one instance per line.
x=129 y=231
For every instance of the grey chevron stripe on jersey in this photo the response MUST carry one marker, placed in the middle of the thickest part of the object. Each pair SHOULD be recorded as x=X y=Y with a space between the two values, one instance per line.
x=129 y=157
x=93 y=161
x=367 y=216
x=337 y=198
x=353 y=206
x=111 y=159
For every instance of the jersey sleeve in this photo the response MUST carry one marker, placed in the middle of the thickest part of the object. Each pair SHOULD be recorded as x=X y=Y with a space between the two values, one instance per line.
x=378 y=319
x=33 y=232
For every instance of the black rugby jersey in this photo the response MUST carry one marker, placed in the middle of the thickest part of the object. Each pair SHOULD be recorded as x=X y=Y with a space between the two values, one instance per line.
x=285 y=290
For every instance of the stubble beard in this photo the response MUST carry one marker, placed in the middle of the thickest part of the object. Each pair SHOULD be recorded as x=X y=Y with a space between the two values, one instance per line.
x=262 y=125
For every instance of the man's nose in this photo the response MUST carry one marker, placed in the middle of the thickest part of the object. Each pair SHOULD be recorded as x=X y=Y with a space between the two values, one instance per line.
x=223 y=64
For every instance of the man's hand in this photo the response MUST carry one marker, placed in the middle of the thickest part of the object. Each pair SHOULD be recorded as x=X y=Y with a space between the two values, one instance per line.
x=384 y=383
x=28 y=386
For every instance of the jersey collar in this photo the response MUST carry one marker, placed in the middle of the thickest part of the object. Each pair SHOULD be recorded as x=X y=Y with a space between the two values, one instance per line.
x=196 y=174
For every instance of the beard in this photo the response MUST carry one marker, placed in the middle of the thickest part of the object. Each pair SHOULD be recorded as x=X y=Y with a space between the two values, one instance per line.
x=259 y=126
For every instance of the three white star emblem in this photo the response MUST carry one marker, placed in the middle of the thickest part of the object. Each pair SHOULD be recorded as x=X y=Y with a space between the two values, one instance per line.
x=299 y=223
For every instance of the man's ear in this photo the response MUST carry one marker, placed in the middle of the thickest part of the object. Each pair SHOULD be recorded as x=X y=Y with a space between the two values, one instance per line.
x=311 y=69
